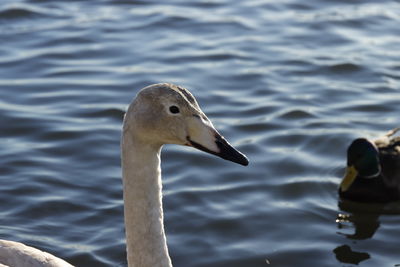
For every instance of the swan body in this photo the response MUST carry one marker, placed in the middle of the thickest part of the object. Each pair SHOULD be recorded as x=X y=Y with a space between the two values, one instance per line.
x=160 y=114
x=15 y=254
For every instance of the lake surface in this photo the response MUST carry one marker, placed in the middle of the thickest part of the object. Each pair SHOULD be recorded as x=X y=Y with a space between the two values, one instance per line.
x=289 y=83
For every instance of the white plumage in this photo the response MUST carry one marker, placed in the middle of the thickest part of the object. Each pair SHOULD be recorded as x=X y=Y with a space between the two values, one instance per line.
x=15 y=254
x=160 y=114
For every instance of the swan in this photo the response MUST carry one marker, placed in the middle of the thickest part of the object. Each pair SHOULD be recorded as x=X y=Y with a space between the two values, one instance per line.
x=160 y=114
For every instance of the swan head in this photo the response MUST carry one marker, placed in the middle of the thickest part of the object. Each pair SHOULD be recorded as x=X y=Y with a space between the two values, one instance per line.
x=169 y=114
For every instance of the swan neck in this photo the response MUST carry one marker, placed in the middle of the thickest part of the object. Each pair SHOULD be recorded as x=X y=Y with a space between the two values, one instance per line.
x=144 y=222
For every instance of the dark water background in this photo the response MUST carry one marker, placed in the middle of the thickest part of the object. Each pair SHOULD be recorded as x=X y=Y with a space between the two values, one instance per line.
x=290 y=83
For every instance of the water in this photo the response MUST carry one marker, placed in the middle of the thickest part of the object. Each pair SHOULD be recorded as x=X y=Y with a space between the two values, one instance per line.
x=289 y=83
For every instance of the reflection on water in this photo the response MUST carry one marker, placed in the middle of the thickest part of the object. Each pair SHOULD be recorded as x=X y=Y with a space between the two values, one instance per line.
x=360 y=222
x=346 y=255
x=364 y=227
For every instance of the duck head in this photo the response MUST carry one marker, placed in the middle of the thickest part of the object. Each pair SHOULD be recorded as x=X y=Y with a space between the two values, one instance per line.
x=362 y=162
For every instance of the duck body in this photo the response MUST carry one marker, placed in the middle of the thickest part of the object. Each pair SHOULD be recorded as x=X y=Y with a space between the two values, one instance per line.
x=373 y=190
x=381 y=186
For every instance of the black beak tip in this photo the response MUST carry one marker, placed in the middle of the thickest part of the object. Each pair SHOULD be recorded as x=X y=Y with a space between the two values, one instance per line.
x=240 y=159
x=226 y=151
x=235 y=156
x=244 y=161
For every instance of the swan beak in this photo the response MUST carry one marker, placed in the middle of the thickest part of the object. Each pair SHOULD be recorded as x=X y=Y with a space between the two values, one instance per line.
x=349 y=177
x=222 y=149
x=203 y=136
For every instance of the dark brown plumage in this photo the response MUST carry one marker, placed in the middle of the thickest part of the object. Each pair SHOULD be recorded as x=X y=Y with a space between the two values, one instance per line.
x=373 y=170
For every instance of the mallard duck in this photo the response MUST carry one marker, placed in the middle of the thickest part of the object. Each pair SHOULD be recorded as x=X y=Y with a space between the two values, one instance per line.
x=373 y=170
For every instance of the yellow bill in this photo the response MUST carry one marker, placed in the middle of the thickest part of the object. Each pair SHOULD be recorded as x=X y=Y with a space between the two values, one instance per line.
x=349 y=177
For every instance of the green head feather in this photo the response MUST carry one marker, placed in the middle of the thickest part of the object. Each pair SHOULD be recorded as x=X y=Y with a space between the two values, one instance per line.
x=363 y=155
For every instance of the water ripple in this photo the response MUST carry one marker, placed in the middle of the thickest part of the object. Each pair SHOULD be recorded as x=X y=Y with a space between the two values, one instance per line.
x=288 y=83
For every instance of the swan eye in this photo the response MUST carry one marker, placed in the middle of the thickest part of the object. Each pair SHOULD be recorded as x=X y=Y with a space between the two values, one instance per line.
x=174 y=109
